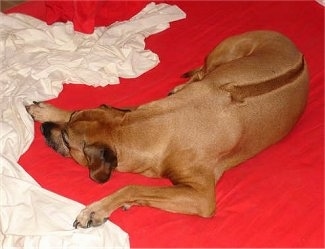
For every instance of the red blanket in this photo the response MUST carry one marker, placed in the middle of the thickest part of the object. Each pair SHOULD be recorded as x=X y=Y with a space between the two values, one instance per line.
x=275 y=199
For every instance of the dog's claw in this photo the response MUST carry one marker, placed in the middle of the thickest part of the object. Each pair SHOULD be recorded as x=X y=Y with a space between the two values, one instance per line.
x=126 y=207
x=76 y=224
x=89 y=223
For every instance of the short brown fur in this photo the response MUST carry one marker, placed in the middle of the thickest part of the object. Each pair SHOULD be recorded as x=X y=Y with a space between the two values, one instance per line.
x=247 y=96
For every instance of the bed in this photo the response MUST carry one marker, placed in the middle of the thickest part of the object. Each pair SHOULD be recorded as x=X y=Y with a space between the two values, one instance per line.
x=275 y=199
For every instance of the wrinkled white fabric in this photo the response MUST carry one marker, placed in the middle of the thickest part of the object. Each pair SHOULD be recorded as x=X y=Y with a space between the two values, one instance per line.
x=35 y=61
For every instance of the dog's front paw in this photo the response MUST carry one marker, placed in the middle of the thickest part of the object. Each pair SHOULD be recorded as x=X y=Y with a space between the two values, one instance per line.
x=40 y=111
x=90 y=217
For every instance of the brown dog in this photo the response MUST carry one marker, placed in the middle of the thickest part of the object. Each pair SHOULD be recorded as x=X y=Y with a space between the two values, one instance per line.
x=248 y=95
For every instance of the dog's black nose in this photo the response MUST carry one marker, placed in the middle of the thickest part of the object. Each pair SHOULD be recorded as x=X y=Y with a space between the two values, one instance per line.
x=46 y=128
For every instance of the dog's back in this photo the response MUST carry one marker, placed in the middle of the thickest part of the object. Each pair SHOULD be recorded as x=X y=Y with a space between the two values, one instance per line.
x=261 y=79
x=248 y=95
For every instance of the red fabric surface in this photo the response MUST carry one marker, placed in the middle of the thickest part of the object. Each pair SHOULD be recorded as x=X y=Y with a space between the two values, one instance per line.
x=86 y=15
x=275 y=199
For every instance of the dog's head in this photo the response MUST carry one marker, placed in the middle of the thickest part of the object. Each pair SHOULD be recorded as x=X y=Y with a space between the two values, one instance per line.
x=86 y=138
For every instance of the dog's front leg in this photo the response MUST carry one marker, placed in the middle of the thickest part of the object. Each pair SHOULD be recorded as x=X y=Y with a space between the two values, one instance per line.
x=199 y=200
x=43 y=112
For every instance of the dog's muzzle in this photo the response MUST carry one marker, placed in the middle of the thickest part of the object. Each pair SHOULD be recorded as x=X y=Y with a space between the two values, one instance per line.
x=53 y=137
x=46 y=129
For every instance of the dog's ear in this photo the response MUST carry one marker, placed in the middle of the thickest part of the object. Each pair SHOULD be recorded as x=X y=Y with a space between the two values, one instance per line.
x=101 y=161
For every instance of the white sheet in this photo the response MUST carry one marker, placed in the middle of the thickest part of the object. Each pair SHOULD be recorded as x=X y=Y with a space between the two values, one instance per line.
x=35 y=61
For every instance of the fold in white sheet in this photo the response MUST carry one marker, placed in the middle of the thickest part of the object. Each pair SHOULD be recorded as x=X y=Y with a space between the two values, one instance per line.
x=40 y=52
x=53 y=217
x=35 y=60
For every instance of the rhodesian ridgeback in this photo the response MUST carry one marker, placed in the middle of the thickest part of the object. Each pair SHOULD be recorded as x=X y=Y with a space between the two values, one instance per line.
x=248 y=95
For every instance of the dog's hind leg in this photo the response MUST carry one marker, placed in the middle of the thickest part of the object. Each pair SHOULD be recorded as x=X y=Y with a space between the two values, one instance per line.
x=193 y=76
